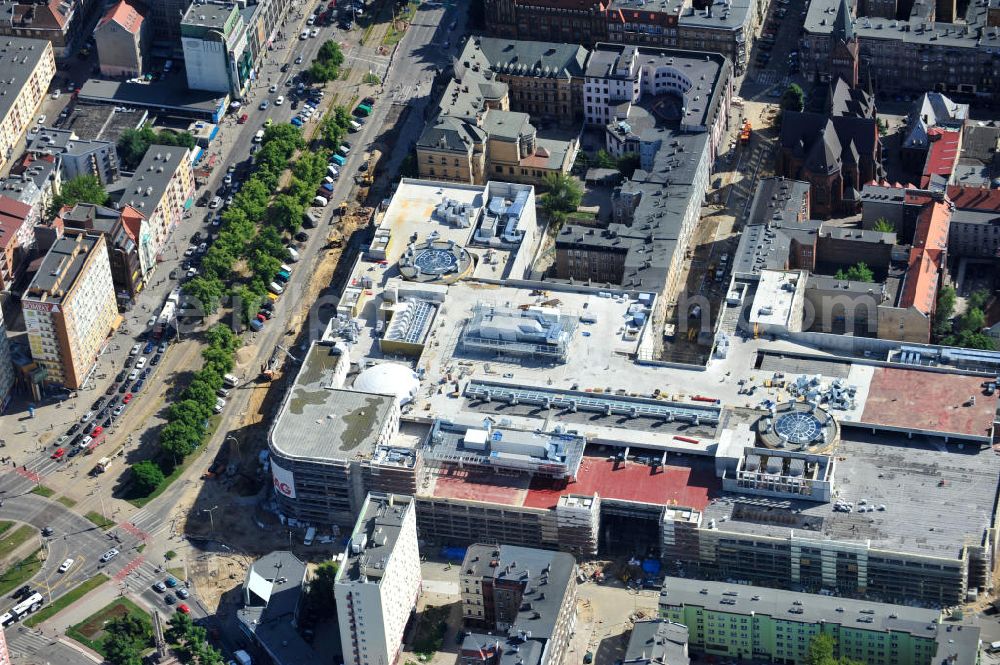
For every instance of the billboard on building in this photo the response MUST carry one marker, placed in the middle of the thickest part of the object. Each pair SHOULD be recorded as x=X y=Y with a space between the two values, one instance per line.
x=284 y=481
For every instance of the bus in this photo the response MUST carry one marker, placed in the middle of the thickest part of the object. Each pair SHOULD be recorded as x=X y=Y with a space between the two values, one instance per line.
x=22 y=609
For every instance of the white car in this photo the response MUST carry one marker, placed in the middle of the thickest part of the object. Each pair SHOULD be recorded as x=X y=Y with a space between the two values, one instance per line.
x=264 y=104
x=314 y=32
x=56 y=93
x=109 y=555
x=280 y=100
x=273 y=88
x=189 y=251
x=41 y=119
x=65 y=565
x=304 y=34
x=135 y=350
x=140 y=363
x=85 y=418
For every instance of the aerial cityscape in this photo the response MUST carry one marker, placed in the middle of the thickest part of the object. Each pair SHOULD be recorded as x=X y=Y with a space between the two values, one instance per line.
x=500 y=332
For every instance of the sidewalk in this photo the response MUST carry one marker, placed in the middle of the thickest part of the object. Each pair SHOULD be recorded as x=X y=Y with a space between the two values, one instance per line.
x=81 y=609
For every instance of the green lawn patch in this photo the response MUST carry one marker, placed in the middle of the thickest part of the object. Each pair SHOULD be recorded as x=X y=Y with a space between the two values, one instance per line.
x=42 y=490
x=14 y=539
x=66 y=600
x=100 y=520
x=20 y=572
x=66 y=501
x=90 y=631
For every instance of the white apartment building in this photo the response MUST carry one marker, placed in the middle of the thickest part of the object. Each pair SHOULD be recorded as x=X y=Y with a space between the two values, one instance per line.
x=161 y=190
x=26 y=69
x=378 y=585
x=70 y=308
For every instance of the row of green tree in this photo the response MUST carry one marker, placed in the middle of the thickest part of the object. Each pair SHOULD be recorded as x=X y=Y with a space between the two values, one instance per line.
x=187 y=419
x=326 y=66
x=250 y=247
x=966 y=330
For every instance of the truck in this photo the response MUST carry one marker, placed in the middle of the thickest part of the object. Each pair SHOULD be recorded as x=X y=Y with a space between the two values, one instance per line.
x=367 y=174
x=242 y=657
x=102 y=465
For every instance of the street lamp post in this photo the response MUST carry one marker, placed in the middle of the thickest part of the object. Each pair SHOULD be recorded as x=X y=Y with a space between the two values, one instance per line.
x=211 y=517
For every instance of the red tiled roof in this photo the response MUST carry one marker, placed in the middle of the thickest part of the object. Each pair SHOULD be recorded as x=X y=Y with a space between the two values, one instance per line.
x=926 y=258
x=132 y=221
x=942 y=155
x=125 y=14
x=13 y=214
x=974 y=198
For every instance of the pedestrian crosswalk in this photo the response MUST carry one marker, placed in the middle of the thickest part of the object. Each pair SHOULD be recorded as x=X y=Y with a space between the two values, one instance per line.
x=23 y=643
x=767 y=76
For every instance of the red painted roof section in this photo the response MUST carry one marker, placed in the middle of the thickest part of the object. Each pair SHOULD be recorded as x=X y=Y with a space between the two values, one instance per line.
x=931 y=401
x=974 y=198
x=926 y=258
x=670 y=485
x=124 y=14
x=942 y=155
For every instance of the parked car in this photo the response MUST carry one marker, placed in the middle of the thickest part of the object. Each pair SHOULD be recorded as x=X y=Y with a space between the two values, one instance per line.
x=65 y=565
x=109 y=555
x=58 y=453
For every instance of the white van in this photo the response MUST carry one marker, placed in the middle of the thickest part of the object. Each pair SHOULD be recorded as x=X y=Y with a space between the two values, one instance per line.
x=320 y=201
x=332 y=171
x=287 y=268
x=355 y=126
x=259 y=136
x=293 y=254
x=230 y=380
x=275 y=288
x=310 y=535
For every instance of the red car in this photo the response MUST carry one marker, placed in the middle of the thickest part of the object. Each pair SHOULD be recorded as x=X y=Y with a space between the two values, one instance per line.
x=261 y=317
x=184 y=609
x=96 y=432
x=127 y=398
x=243 y=119
x=58 y=453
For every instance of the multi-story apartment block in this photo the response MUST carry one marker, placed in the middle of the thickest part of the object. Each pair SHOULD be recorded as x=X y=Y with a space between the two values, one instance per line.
x=160 y=190
x=379 y=582
x=62 y=24
x=17 y=237
x=123 y=248
x=697 y=25
x=624 y=93
x=123 y=40
x=69 y=308
x=33 y=181
x=525 y=593
x=217 y=55
x=26 y=68
x=917 y=48
x=484 y=126
x=749 y=622
x=76 y=157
